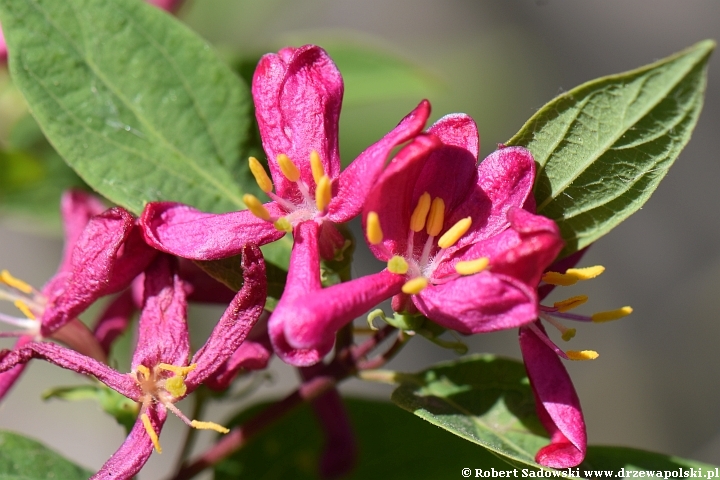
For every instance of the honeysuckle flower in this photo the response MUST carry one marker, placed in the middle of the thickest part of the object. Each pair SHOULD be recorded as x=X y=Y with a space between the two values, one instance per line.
x=297 y=94
x=461 y=243
x=103 y=252
x=161 y=372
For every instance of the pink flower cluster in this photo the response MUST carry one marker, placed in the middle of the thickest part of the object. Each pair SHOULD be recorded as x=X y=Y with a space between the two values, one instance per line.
x=461 y=240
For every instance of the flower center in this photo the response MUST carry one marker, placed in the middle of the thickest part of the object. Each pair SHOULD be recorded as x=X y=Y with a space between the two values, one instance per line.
x=309 y=206
x=428 y=215
x=26 y=299
x=165 y=384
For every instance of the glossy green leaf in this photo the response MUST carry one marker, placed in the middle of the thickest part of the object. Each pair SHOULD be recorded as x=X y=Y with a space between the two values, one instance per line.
x=24 y=459
x=603 y=147
x=137 y=104
x=391 y=444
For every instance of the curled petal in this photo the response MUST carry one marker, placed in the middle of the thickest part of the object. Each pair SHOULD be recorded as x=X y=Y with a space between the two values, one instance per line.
x=77 y=207
x=162 y=329
x=189 y=233
x=298 y=95
x=9 y=377
x=114 y=320
x=557 y=403
x=356 y=181
x=237 y=321
x=135 y=450
x=251 y=355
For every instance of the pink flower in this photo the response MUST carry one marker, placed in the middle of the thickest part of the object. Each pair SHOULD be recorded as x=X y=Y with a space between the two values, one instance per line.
x=103 y=252
x=161 y=374
x=462 y=245
x=298 y=94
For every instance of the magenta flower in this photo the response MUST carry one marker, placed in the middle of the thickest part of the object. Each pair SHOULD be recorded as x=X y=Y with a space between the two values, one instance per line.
x=462 y=245
x=298 y=94
x=103 y=252
x=161 y=374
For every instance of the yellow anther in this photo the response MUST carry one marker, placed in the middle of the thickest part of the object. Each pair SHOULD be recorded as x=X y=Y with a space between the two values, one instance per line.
x=415 y=286
x=568 y=334
x=208 y=426
x=176 y=386
x=419 y=215
x=572 y=276
x=317 y=167
x=256 y=207
x=397 y=264
x=8 y=279
x=288 y=168
x=582 y=355
x=323 y=193
x=570 y=303
x=470 y=267
x=436 y=218
x=151 y=432
x=451 y=237
x=24 y=309
x=261 y=176
x=282 y=224
x=144 y=370
x=372 y=229
x=612 y=314
x=177 y=370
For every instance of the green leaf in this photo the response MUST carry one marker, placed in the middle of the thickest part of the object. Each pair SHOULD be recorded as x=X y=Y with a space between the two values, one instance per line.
x=603 y=147
x=390 y=445
x=24 y=459
x=137 y=104
x=615 y=458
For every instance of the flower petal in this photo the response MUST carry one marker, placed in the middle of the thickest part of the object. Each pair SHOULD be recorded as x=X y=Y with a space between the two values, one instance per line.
x=135 y=450
x=162 y=329
x=356 y=181
x=237 y=321
x=77 y=207
x=9 y=377
x=298 y=95
x=557 y=403
x=251 y=355
x=114 y=320
x=392 y=196
x=483 y=302
x=189 y=233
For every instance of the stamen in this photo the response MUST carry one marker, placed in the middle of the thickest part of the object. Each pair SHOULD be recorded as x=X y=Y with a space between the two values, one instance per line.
x=261 y=176
x=582 y=355
x=288 y=168
x=436 y=218
x=208 y=426
x=372 y=229
x=612 y=314
x=256 y=207
x=567 y=333
x=282 y=224
x=316 y=166
x=144 y=370
x=415 y=286
x=24 y=309
x=151 y=432
x=451 y=237
x=470 y=267
x=323 y=193
x=419 y=215
x=13 y=282
x=570 y=303
x=572 y=275
x=397 y=264
x=175 y=386
x=177 y=370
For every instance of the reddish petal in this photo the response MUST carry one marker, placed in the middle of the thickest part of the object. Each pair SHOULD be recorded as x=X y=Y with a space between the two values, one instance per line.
x=114 y=320
x=354 y=184
x=251 y=355
x=189 y=233
x=77 y=207
x=135 y=450
x=9 y=377
x=237 y=321
x=71 y=360
x=557 y=403
x=298 y=95
x=483 y=302
x=391 y=198
x=162 y=329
